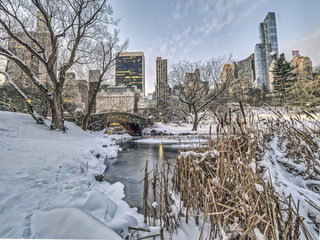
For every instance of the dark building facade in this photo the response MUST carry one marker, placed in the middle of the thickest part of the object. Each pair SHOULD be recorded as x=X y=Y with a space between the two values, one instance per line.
x=130 y=70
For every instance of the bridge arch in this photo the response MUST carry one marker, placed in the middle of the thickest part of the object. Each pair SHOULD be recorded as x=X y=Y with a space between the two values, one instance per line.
x=133 y=123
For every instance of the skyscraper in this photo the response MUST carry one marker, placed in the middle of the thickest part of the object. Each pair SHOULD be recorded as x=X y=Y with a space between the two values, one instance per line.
x=266 y=50
x=130 y=70
x=162 y=83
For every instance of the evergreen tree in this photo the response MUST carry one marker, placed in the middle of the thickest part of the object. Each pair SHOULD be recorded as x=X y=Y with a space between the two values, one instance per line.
x=284 y=79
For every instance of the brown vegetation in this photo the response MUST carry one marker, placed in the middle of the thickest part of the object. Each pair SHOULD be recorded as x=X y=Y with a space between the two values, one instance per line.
x=225 y=190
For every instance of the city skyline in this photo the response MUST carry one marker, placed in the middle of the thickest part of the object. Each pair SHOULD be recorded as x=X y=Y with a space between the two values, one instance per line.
x=199 y=30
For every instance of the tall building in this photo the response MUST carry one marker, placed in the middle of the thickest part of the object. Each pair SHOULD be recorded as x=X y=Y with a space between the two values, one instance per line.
x=246 y=72
x=75 y=94
x=266 y=50
x=130 y=70
x=260 y=65
x=192 y=82
x=162 y=89
x=122 y=98
x=302 y=68
x=43 y=36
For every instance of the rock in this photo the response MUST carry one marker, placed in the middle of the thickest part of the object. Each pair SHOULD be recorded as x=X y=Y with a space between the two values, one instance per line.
x=99 y=178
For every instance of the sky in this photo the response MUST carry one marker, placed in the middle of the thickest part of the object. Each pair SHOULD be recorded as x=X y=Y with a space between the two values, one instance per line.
x=201 y=29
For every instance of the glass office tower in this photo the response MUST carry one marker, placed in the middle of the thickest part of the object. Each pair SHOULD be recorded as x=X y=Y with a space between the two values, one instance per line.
x=266 y=50
x=130 y=69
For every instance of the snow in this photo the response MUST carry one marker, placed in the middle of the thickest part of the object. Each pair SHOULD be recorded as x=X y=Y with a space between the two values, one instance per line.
x=167 y=140
x=179 y=129
x=258 y=234
x=286 y=183
x=259 y=187
x=70 y=223
x=48 y=187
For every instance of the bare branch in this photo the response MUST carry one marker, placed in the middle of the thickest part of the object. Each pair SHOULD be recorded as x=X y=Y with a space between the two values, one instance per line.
x=24 y=67
x=32 y=112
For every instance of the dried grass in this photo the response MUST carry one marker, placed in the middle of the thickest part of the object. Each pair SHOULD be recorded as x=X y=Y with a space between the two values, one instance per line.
x=222 y=186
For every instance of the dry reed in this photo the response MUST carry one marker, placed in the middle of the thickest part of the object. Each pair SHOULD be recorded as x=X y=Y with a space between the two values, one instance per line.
x=222 y=188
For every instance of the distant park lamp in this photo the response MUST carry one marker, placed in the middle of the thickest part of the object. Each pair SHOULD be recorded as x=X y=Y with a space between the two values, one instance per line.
x=28 y=100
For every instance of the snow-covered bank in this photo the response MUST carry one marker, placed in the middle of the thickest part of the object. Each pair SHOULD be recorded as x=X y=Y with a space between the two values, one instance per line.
x=178 y=136
x=182 y=129
x=176 y=139
x=48 y=187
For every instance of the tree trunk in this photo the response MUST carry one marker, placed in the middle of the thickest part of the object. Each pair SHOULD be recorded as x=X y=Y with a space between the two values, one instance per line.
x=92 y=102
x=195 y=121
x=56 y=110
x=91 y=105
x=85 y=122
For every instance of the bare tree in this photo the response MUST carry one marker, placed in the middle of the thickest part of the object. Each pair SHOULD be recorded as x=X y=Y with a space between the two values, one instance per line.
x=307 y=91
x=70 y=28
x=107 y=52
x=197 y=86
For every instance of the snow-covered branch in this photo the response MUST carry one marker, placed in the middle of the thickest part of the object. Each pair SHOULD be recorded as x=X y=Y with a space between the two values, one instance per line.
x=26 y=69
x=31 y=110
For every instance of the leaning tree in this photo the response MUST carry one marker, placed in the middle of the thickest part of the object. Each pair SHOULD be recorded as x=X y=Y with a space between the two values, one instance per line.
x=72 y=28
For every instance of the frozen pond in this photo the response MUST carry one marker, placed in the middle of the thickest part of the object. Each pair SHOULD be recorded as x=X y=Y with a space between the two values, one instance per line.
x=128 y=167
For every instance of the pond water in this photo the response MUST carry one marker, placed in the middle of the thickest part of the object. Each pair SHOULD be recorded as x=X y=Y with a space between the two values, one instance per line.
x=128 y=167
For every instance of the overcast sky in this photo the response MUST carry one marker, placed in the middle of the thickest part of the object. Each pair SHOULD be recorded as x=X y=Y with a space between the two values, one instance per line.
x=200 y=29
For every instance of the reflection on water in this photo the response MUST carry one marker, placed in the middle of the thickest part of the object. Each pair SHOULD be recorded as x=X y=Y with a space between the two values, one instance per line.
x=161 y=154
x=128 y=167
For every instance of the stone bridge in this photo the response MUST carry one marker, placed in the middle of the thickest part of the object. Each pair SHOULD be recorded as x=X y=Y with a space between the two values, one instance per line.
x=133 y=123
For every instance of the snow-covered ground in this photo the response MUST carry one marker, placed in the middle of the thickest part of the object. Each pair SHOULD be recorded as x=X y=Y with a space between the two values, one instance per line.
x=48 y=187
x=182 y=129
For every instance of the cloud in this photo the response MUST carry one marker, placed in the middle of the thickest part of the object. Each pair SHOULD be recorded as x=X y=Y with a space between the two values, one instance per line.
x=308 y=46
x=176 y=16
x=223 y=13
x=192 y=22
